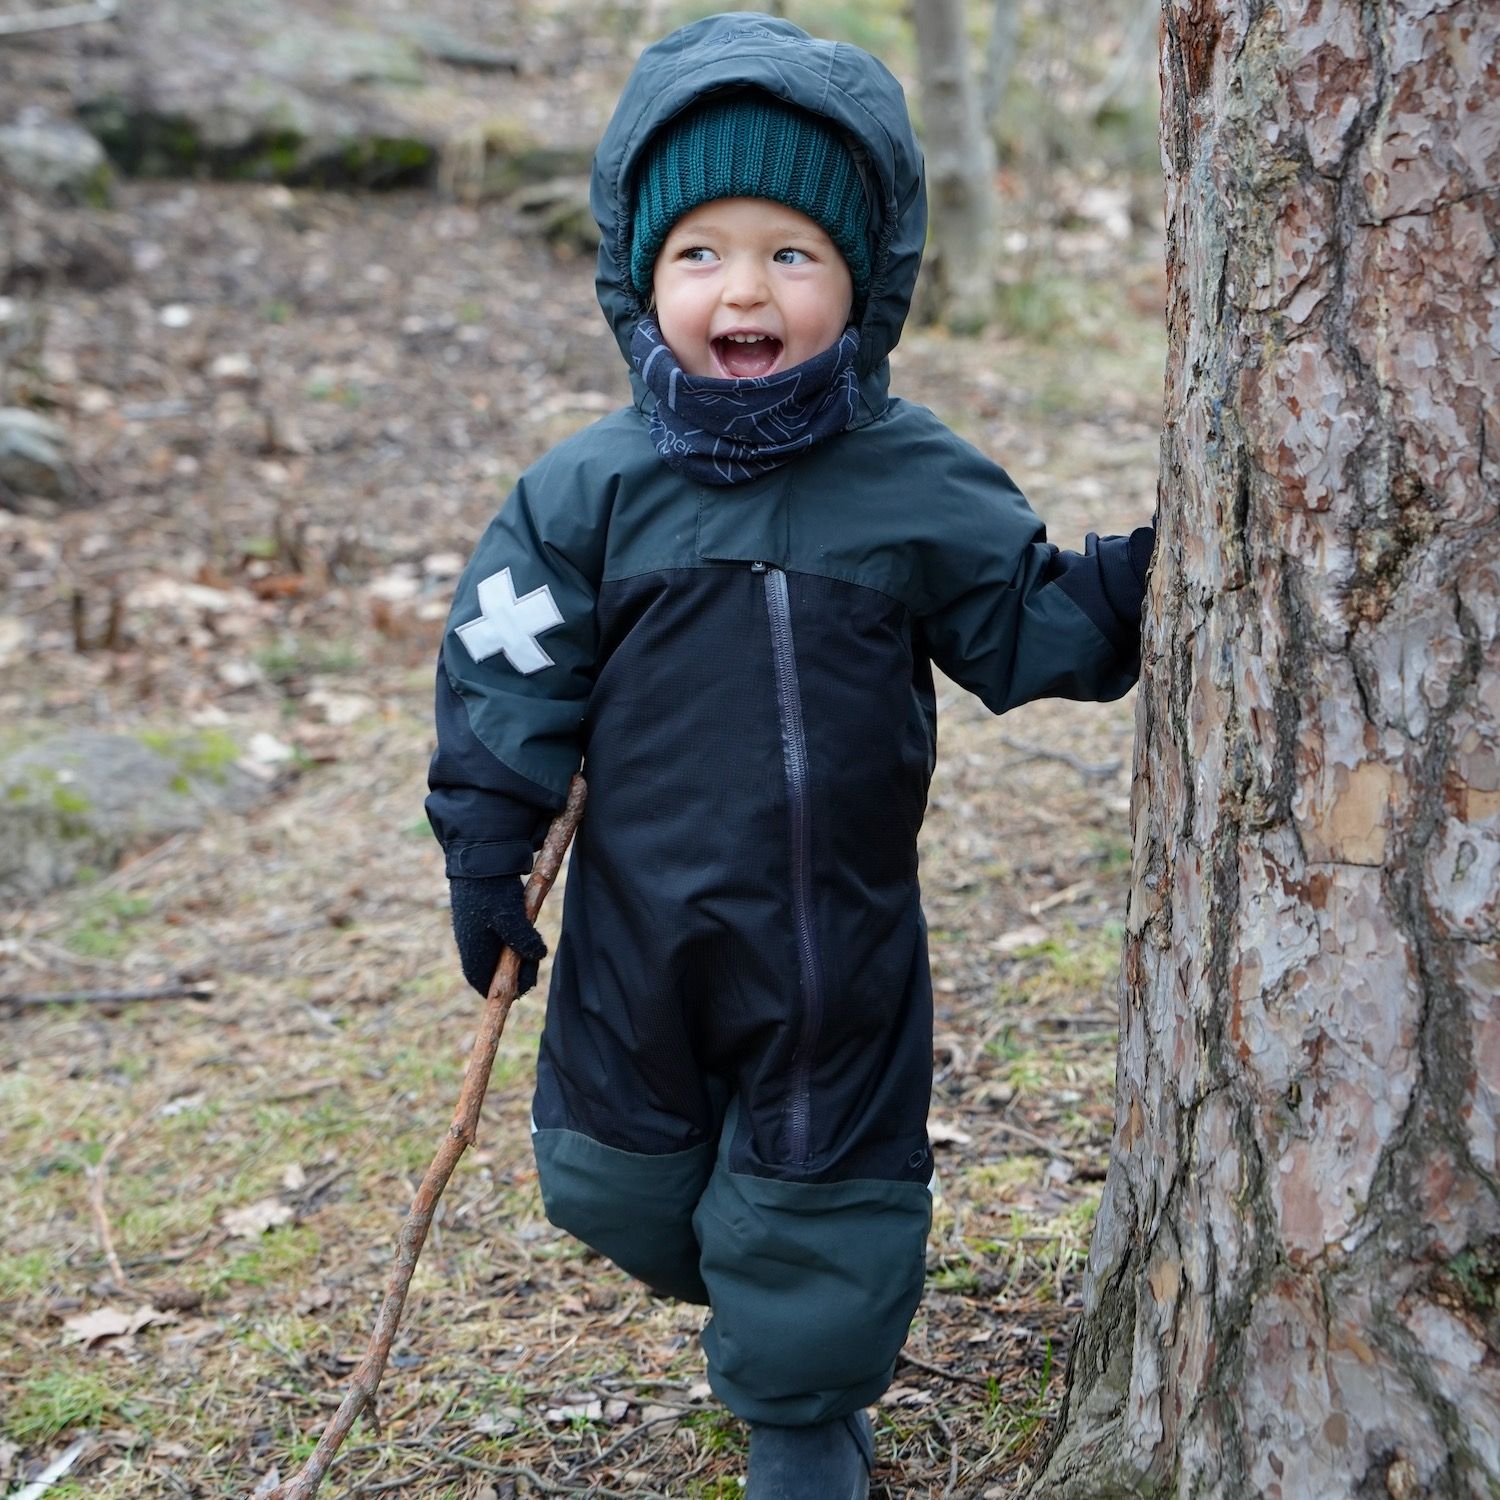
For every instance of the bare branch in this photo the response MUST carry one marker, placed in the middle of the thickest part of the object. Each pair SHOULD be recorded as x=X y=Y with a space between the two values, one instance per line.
x=366 y=1377
x=19 y=999
x=53 y=20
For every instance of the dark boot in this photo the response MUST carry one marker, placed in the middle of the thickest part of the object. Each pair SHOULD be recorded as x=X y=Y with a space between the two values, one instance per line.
x=829 y=1462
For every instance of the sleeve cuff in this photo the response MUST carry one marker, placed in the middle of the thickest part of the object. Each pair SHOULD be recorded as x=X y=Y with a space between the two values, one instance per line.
x=476 y=858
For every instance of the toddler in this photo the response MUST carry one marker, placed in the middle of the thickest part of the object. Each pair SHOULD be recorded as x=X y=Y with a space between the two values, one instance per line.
x=726 y=602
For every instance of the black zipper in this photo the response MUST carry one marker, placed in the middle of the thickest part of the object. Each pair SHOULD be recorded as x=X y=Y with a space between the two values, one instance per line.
x=799 y=818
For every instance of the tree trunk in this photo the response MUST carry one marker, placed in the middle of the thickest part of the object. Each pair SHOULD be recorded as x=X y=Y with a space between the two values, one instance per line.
x=960 y=168
x=1000 y=60
x=1294 y=1283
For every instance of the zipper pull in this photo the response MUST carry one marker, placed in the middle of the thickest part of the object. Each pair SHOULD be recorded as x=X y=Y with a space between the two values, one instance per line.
x=757 y=567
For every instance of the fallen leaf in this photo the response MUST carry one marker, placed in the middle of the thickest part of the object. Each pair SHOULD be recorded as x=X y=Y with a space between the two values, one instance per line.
x=268 y=1482
x=941 y=1133
x=906 y=1395
x=180 y=1105
x=314 y=1298
x=13 y=634
x=106 y=1323
x=496 y=1423
x=255 y=1219
x=586 y=1411
x=1020 y=937
x=102 y=1323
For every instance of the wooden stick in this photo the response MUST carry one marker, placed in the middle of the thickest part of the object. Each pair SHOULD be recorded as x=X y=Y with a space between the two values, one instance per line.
x=1040 y=752
x=366 y=1377
x=62 y=15
x=98 y=1175
x=193 y=991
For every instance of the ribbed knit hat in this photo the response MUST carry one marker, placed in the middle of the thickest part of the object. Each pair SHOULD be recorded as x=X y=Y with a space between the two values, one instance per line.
x=750 y=146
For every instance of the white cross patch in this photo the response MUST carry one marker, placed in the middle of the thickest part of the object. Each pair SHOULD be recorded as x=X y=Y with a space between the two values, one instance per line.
x=511 y=625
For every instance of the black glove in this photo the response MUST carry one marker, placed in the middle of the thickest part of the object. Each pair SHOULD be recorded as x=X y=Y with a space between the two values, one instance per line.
x=489 y=913
x=1142 y=544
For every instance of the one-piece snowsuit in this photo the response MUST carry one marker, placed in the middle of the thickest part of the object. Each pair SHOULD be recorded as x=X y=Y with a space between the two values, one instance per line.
x=733 y=1081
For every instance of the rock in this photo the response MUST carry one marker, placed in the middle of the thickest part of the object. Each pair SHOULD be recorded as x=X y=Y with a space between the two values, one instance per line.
x=443 y=44
x=309 y=52
x=34 y=461
x=558 y=211
x=55 y=158
x=262 y=93
x=272 y=93
x=72 y=802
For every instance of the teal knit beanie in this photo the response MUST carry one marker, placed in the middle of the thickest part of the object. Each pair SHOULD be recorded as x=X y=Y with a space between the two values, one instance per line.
x=750 y=146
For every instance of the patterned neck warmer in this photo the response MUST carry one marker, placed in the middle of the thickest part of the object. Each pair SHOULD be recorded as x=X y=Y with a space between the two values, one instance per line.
x=722 y=431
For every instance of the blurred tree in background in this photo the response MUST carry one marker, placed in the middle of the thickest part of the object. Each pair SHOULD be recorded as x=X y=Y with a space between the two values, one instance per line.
x=1068 y=98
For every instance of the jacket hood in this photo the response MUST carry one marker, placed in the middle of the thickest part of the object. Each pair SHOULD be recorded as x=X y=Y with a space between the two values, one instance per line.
x=839 y=82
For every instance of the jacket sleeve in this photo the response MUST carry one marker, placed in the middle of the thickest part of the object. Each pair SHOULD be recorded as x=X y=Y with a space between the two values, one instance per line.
x=1021 y=618
x=514 y=675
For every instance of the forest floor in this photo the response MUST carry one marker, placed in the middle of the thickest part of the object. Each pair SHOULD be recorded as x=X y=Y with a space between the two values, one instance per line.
x=298 y=410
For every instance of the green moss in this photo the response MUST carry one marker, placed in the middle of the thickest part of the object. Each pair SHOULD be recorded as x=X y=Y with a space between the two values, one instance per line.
x=273 y=1258
x=32 y=1271
x=103 y=931
x=206 y=754
x=144 y=145
x=386 y=162
x=1476 y=1275
x=58 y=1400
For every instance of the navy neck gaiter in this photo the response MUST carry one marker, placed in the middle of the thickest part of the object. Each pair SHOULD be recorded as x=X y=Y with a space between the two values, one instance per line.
x=723 y=431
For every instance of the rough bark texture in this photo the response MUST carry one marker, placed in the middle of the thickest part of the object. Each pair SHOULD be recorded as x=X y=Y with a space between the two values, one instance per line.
x=1292 y=1288
x=960 y=168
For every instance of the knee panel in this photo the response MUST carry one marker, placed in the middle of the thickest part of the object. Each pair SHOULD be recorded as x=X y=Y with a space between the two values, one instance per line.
x=813 y=1287
x=635 y=1209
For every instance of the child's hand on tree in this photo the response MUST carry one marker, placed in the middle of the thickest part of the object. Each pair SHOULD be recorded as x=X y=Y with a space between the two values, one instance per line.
x=489 y=913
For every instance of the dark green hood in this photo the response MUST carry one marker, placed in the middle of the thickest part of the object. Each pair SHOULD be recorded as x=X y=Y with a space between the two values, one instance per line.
x=832 y=79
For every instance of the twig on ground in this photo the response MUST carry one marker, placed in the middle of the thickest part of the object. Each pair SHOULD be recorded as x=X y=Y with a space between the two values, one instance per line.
x=961 y=1377
x=630 y=1437
x=413 y=1235
x=62 y=15
x=1065 y=897
x=56 y=1469
x=98 y=1175
x=182 y=991
x=1040 y=752
x=947 y=1433
x=522 y=1471
x=1032 y=1139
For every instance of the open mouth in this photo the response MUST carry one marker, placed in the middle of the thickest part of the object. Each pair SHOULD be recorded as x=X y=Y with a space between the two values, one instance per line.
x=743 y=356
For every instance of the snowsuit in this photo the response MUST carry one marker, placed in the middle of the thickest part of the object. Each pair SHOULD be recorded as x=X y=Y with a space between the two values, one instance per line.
x=734 y=1076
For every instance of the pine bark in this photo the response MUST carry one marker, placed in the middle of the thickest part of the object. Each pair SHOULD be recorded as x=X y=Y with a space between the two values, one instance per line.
x=1292 y=1286
x=960 y=155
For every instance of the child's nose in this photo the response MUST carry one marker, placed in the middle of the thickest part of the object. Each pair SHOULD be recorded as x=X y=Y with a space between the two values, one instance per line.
x=744 y=282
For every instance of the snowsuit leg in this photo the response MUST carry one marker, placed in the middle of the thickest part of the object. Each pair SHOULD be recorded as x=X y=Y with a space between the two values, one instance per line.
x=660 y=1138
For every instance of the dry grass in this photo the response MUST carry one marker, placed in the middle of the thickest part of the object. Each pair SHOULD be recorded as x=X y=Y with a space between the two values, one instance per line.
x=321 y=1077
x=322 y=1073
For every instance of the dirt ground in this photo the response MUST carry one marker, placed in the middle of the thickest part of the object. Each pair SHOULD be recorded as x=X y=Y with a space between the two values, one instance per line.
x=297 y=411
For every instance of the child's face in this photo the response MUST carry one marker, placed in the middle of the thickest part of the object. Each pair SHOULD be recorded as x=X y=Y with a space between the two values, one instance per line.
x=745 y=286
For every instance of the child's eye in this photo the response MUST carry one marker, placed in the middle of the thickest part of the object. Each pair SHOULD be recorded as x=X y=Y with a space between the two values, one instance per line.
x=790 y=257
x=698 y=254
